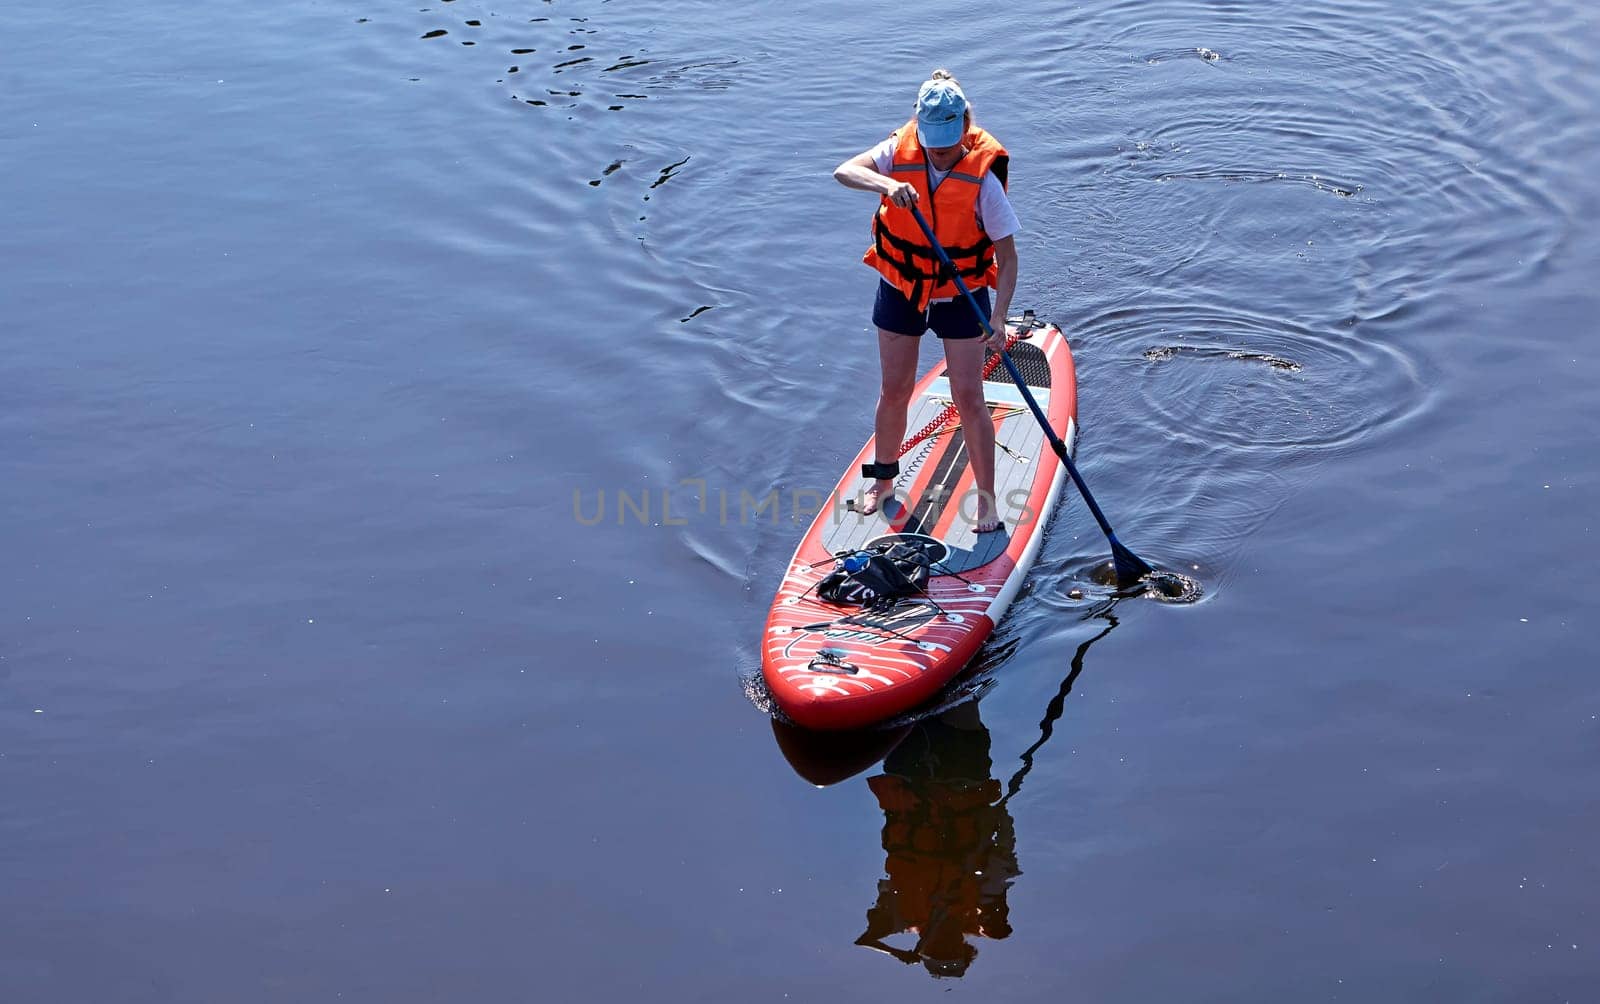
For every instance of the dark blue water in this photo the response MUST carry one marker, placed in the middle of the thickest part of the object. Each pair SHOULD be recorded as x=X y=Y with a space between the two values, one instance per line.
x=325 y=335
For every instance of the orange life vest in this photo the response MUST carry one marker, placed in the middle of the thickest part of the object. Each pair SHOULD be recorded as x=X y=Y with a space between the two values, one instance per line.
x=900 y=251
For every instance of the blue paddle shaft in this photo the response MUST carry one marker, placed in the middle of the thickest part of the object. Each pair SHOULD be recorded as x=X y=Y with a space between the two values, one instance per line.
x=1124 y=557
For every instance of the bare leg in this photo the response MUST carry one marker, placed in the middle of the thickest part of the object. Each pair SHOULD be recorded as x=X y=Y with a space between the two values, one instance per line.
x=964 y=359
x=897 y=355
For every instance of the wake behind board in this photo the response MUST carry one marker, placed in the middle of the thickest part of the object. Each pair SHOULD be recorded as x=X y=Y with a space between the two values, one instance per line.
x=839 y=667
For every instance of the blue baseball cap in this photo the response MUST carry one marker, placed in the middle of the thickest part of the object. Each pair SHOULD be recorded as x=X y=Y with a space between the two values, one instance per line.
x=941 y=113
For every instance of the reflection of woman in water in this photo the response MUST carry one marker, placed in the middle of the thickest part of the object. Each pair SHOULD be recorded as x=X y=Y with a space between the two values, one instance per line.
x=950 y=845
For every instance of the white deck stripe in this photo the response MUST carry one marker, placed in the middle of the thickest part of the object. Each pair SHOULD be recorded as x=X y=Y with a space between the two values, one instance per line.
x=994 y=392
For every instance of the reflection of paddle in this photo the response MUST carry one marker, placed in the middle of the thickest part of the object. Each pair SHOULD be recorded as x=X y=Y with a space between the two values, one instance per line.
x=1052 y=713
x=1130 y=567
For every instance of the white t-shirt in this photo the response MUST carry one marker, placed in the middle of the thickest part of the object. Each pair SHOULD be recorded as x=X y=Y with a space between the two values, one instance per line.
x=995 y=214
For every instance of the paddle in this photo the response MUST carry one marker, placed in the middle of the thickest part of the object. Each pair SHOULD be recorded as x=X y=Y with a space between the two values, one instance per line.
x=1130 y=567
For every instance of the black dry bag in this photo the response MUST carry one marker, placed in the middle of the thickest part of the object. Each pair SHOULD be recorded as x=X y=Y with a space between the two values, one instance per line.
x=879 y=576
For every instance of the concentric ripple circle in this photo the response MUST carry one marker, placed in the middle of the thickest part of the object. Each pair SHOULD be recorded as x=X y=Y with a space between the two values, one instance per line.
x=1253 y=384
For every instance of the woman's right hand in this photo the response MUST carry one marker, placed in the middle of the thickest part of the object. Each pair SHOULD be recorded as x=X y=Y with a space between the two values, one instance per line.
x=901 y=194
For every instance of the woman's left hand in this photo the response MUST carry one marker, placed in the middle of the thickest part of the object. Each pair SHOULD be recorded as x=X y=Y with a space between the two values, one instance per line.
x=996 y=341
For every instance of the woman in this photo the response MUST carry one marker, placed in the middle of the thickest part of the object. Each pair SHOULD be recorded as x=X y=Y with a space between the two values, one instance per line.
x=956 y=173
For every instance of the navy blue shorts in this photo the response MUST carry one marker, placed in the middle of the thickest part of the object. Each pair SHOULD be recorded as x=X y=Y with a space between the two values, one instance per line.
x=951 y=319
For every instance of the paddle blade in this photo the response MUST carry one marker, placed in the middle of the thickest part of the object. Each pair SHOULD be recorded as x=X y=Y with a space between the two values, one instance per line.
x=1130 y=567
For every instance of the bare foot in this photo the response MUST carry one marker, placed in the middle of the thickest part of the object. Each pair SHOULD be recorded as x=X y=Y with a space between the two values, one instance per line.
x=880 y=490
x=988 y=520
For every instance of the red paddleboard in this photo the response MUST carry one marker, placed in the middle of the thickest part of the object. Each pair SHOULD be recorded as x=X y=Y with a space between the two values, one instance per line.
x=842 y=667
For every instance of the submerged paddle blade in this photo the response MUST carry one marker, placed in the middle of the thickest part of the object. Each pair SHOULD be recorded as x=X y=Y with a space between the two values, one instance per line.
x=1130 y=567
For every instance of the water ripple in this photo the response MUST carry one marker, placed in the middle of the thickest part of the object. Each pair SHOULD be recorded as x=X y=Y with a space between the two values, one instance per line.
x=1249 y=384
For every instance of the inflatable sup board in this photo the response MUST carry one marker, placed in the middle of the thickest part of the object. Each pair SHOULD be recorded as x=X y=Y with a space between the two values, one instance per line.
x=832 y=666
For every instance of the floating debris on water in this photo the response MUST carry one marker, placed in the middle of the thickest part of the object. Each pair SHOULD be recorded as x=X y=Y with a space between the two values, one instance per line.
x=1162 y=353
x=666 y=172
x=616 y=165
